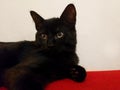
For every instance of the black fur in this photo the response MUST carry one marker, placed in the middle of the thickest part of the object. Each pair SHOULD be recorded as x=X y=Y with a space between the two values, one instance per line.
x=31 y=65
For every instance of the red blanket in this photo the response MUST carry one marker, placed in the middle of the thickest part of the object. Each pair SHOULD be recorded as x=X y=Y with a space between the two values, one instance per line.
x=96 y=80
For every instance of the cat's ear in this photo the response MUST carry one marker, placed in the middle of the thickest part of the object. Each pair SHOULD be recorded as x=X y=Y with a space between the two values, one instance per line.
x=37 y=19
x=69 y=14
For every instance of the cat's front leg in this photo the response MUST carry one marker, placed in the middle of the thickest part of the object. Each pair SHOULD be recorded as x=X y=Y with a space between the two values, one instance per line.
x=15 y=78
x=77 y=73
x=20 y=77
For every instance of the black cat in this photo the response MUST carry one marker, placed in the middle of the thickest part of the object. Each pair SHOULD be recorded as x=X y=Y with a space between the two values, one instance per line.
x=31 y=65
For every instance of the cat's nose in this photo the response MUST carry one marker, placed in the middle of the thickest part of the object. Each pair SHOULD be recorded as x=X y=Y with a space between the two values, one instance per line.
x=50 y=44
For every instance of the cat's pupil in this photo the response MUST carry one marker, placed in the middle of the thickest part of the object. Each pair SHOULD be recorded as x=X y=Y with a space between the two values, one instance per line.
x=43 y=36
x=60 y=35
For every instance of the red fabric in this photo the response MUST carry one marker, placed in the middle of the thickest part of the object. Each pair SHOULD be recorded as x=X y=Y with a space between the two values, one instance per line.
x=96 y=80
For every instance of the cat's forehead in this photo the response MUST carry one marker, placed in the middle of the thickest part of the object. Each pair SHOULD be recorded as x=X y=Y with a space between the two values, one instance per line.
x=53 y=22
x=51 y=25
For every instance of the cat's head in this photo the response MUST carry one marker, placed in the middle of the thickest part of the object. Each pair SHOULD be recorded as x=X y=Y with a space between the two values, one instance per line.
x=56 y=33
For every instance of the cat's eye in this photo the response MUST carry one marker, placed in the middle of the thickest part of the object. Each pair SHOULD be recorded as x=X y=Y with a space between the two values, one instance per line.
x=43 y=36
x=59 y=35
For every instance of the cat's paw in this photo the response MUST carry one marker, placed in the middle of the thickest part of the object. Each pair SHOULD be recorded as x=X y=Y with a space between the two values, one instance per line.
x=77 y=73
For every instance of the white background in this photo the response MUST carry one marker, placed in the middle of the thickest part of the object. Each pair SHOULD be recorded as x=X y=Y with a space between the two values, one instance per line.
x=98 y=27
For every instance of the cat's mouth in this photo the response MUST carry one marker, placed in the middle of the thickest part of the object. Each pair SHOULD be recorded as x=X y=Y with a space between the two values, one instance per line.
x=49 y=47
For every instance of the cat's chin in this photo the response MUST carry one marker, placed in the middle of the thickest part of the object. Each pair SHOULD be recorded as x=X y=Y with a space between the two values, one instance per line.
x=49 y=48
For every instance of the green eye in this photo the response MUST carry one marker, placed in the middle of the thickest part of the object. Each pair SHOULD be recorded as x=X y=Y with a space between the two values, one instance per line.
x=43 y=36
x=59 y=35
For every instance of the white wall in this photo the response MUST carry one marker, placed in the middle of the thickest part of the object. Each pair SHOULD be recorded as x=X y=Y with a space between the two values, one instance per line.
x=98 y=27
